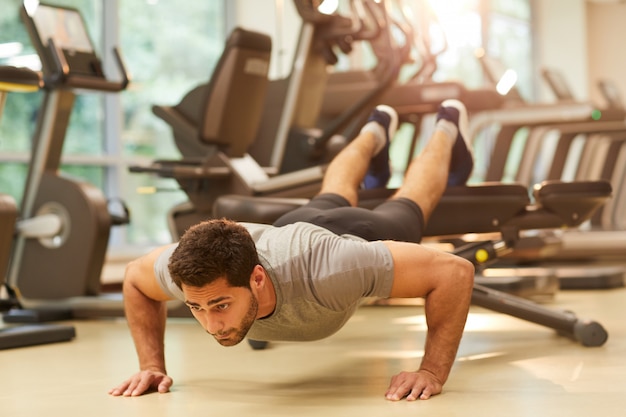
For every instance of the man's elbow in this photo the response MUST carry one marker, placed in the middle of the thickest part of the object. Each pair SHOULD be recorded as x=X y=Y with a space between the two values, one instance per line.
x=131 y=272
x=140 y=282
x=464 y=276
x=133 y=276
x=468 y=272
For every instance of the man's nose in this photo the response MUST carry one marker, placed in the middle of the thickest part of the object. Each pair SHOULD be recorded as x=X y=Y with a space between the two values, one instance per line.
x=210 y=323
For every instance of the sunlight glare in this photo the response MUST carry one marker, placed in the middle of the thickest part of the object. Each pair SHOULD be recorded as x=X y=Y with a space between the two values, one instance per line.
x=458 y=24
x=10 y=49
x=328 y=6
x=31 y=6
x=508 y=81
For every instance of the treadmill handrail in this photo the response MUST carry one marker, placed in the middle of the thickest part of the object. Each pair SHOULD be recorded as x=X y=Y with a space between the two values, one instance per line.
x=537 y=114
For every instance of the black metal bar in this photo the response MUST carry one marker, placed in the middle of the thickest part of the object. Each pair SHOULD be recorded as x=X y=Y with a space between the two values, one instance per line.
x=587 y=332
x=35 y=334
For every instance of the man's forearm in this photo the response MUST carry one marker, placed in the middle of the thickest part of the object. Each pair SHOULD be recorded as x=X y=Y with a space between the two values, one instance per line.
x=146 y=320
x=446 y=312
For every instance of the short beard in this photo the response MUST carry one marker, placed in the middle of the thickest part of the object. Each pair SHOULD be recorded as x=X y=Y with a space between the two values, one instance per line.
x=244 y=326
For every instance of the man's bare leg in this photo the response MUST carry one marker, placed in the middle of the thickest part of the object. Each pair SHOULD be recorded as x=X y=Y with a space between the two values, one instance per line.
x=349 y=167
x=445 y=160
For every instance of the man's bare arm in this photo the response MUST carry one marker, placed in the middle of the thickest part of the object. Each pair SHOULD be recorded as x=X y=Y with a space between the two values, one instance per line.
x=445 y=281
x=146 y=313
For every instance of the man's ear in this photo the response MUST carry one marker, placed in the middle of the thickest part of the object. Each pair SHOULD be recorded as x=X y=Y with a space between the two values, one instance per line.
x=258 y=277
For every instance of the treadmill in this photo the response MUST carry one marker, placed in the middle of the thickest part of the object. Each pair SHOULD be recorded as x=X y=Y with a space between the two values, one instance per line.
x=598 y=247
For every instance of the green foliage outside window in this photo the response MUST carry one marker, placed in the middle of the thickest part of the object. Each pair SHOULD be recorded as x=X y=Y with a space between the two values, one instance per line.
x=84 y=136
x=168 y=50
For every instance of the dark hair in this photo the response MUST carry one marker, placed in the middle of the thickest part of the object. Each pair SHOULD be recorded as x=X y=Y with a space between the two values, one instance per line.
x=211 y=250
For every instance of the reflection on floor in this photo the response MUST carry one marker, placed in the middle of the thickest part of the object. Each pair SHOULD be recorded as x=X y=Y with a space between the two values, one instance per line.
x=505 y=367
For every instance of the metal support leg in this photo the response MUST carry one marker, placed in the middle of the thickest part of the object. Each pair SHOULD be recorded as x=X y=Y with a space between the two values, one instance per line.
x=586 y=332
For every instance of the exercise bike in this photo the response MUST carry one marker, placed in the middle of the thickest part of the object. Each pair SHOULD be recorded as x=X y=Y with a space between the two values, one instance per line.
x=22 y=80
x=59 y=275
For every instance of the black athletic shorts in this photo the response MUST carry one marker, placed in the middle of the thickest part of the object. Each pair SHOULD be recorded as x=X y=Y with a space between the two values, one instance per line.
x=396 y=219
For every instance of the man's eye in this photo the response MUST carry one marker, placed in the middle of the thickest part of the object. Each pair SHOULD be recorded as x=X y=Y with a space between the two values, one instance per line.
x=194 y=308
x=222 y=306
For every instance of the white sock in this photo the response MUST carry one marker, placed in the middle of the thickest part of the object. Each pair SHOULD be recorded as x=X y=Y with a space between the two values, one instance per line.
x=447 y=127
x=379 y=134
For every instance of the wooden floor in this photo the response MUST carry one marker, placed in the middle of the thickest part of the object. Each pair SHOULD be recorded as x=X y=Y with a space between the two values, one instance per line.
x=505 y=367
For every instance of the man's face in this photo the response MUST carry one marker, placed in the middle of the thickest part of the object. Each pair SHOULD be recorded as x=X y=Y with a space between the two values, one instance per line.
x=225 y=312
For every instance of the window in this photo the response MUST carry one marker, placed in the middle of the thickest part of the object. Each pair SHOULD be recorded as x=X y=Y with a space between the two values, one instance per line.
x=19 y=118
x=501 y=28
x=168 y=49
x=510 y=40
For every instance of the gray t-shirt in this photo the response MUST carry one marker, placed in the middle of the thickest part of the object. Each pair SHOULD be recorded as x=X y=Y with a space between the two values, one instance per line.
x=320 y=279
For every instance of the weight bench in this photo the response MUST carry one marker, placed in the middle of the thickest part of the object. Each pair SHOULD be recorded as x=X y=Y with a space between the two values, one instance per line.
x=503 y=208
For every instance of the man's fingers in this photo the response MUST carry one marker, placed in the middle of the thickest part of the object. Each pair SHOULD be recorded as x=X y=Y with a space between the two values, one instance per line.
x=142 y=385
x=165 y=385
x=414 y=392
x=413 y=386
x=422 y=393
x=399 y=391
x=117 y=391
x=426 y=393
x=132 y=386
x=143 y=382
x=148 y=381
